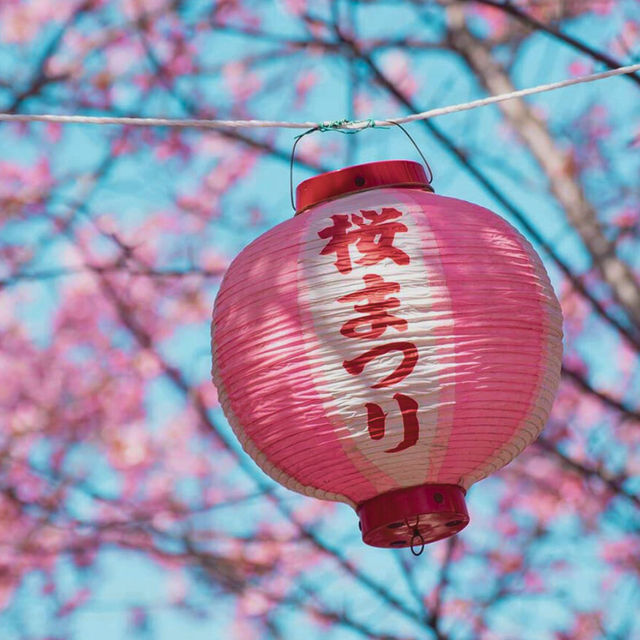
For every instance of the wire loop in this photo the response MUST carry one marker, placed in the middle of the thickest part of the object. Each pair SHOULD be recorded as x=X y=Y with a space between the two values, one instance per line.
x=415 y=144
x=349 y=127
x=293 y=153
x=417 y=536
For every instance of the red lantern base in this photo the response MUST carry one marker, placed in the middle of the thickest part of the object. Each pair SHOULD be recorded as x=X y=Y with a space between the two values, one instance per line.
x=413 y=516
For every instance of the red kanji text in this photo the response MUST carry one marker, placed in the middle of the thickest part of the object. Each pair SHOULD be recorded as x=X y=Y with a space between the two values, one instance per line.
x=376 y=422
x=409 y=359
x=372 y=233
x=376 y=316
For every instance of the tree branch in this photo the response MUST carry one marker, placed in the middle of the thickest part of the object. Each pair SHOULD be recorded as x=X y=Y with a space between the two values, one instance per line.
x=611 y=482
x=585 y=385
x=529 y=21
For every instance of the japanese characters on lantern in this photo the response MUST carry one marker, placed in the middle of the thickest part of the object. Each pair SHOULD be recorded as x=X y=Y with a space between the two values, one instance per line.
x=368 y=238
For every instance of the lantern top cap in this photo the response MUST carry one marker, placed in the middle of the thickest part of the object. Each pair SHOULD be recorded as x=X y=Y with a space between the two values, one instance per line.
x=361 y=177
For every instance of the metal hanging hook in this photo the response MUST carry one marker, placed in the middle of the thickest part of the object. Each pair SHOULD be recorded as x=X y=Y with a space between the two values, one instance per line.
x=415 y=144
x=340 y=126
x=293 y=153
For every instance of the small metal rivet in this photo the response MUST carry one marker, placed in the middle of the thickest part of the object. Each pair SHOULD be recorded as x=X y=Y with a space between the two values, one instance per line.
x=359 y=181
x=438 y=497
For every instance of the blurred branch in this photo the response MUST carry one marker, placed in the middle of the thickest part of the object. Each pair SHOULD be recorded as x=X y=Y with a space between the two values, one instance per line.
x=192 y=109
x=443 y=581
x=117 y=267
x=563 y=184
x=330 y=615
x=585 y=385
x=327 y=46
x=41 y=78
x=529 y=21
x=408 y=568
x=614 y=483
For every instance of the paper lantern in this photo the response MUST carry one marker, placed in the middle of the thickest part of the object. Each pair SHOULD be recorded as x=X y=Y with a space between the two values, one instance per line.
x=387 y=347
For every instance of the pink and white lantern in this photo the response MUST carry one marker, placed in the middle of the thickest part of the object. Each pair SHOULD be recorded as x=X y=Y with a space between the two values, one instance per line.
x=387 y=348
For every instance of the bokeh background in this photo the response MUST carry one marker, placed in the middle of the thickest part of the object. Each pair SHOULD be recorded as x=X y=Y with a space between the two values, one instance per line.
x=127 y=509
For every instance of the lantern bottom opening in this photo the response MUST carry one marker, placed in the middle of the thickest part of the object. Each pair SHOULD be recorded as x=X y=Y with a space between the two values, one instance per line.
x=426 y=513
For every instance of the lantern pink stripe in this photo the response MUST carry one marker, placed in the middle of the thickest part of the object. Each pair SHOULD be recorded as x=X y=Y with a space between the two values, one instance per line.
x=549 y=367
x=500 y=329
x=274 y=319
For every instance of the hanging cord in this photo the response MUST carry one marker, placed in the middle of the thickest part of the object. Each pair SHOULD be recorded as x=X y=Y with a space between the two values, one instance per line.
x=338 y=125
x=346 y=125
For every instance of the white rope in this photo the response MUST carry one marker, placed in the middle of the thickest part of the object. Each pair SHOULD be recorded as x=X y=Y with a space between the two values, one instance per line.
x=343 y=124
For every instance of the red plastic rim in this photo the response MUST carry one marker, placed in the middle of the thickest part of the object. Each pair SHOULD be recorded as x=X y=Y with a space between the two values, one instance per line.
x=361 y=177
x=427 y=513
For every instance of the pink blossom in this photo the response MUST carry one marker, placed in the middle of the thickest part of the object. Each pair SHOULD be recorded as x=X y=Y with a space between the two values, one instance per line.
x=136 y=9
x=495 y=20
x=304 y=84
x=621 y=551
x=397 y=67
x=296 y=7
x=21 y=22
x=253 y=603
x=75 y=601
x=580 y=68
x=241 y=82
